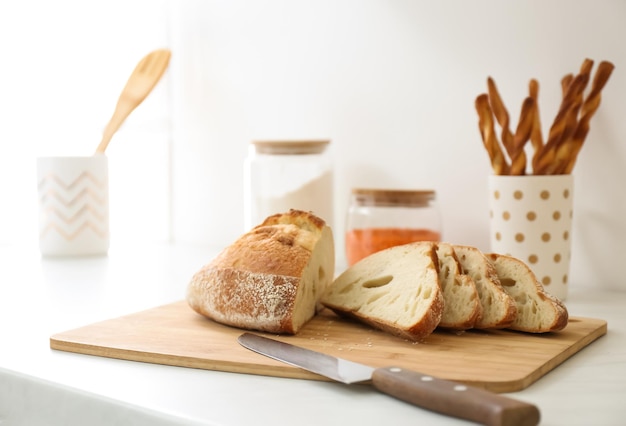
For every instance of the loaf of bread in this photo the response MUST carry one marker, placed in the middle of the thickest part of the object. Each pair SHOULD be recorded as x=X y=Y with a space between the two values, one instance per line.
x=395 y=290
x=270 y=279
x=537 y=310
x=462 y=308
x=498 y=307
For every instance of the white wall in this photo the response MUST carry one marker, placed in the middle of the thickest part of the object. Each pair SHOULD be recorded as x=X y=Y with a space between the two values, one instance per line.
x=63 y=65
x=392 y=83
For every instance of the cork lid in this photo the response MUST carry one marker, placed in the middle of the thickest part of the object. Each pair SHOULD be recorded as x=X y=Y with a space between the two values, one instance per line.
x=291 y=147
x=393 y=197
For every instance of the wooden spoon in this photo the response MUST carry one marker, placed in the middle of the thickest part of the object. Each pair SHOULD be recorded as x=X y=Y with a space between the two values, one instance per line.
x=146 y=75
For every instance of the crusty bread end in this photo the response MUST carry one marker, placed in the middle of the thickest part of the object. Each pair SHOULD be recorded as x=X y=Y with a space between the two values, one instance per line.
x=271 y=279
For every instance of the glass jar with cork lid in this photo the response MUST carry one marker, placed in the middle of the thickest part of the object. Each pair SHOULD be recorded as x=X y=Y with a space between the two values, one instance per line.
x=280 y=175
x=381 y=218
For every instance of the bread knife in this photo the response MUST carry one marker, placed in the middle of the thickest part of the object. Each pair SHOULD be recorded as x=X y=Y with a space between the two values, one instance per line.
x=442 y=396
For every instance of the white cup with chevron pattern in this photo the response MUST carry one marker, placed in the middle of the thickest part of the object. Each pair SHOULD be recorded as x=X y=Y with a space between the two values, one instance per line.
x=73 y=205
x=531 y=219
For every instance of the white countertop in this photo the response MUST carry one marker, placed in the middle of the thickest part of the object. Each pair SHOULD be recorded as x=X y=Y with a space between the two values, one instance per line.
x=40 y=386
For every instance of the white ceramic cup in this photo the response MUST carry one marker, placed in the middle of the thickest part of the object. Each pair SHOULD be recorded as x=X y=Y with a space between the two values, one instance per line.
x=73 y=205
x=531 y=219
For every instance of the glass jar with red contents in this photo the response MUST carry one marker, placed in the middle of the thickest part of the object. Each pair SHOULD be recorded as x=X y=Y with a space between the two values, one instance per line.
x=381 y=218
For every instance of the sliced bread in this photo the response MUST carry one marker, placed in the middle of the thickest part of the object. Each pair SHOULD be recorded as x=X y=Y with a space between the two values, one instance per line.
x=537 y=310
x=462 y=308
x=395 y=290
x=499 y=310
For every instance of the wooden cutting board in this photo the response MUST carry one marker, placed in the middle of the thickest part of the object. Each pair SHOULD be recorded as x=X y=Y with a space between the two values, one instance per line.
x=173 y=334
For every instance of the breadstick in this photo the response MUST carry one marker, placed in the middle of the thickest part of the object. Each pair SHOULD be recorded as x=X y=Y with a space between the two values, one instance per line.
x=600 y=79
x=588 y=109
x=564 y=147
x=545 y=163
x=536 y=137
x=488 y=134
x=585 y=71
x=565 y=82
x=522 y=133
x=586 y=67
x=501 y=114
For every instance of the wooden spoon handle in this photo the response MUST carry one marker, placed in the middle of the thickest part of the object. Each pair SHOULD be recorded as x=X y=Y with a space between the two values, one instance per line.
x=122 y=111
x=142 y=80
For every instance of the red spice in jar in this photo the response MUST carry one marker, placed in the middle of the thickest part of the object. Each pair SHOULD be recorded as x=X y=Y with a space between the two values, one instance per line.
x=361 y=243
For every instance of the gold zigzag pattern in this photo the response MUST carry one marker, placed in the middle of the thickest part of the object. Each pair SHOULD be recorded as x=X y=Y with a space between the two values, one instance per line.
x=94 y=196
x=86 y=175
x=50 y=194
x=69 y=219
x=71 y=235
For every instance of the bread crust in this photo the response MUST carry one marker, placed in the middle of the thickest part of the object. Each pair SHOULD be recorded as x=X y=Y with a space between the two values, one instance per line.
x=278 y=249
x=245 y=299
x=418 y=332
x=260 y=282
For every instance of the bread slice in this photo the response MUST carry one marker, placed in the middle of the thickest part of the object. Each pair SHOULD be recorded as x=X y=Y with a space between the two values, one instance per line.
x=537 y=310
x=462 y=308
x=395 y=290
x=271 y=278
x=499 y=309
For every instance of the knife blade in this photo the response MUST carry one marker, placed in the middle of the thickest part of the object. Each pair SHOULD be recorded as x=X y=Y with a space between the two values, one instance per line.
x=442 y=396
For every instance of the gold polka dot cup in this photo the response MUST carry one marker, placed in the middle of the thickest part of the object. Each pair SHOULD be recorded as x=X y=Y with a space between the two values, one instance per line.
x=531 y=219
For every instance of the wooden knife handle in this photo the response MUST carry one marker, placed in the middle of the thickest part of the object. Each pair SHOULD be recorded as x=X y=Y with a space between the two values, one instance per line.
x=454 y=399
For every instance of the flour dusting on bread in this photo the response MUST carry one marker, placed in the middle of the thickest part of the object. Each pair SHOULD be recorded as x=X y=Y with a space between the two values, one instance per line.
x=271 y=278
